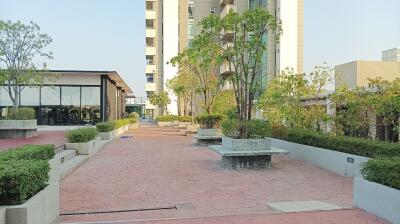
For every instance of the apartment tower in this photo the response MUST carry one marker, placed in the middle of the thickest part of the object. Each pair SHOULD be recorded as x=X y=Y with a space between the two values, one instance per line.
x=172 y=24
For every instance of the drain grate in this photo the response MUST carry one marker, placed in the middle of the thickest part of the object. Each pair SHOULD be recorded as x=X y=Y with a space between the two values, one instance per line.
x=126 y=137
x=118 y=211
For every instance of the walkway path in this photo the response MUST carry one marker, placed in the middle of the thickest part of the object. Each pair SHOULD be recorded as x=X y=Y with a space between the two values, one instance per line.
x=161 y=168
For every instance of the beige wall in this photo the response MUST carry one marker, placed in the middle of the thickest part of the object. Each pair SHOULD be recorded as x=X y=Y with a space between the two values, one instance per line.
x=356 y=73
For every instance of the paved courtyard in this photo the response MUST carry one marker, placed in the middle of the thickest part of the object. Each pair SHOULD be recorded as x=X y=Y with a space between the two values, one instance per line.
x=44 y=137
x=160 y=168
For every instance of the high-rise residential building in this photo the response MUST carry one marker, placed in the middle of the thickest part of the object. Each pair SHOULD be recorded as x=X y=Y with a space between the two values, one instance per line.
x=172 y=24
x=391 y=55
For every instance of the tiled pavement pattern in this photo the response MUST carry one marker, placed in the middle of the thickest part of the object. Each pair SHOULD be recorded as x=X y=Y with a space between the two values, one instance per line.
x=161 y=168
x=44 y=137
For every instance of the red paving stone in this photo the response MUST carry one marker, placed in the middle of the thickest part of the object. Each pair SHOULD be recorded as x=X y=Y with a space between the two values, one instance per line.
x=159 y=168
x=44 y=137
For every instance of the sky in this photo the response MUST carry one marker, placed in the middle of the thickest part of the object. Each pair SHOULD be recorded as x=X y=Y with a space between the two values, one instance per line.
x=110 y=34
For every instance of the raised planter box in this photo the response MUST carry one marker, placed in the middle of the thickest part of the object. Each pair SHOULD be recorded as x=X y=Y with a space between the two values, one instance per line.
x=86 y=148
x=109 y=135
x=208 y=132
x=134 y=126
x=338 y=162
x=377 y=199
x=18 y=128
x=165 y=123
x=246 y=144
x=43 y=208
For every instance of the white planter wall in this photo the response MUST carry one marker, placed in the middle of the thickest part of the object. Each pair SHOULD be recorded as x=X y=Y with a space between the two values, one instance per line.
x=377 y=199
x=341 y=163
x=43 y=208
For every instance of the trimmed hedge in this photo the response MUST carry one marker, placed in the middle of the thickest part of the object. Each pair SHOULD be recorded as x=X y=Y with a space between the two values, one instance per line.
x=355 y=146
x=22 y=179
x=167 y=118
x=22 y=113
x=29 y=152
x=81 y=135
x=209 y=121
x=384 y=171
x=185 y=119
x=256 y=129
x=24 y=172
x=121 y=123
x=105 y=126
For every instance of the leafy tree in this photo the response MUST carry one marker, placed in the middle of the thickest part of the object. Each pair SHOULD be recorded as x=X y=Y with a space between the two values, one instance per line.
x=224 y=102
x=184 y=86
x=282 y=102
x=202 y=61
x=19 y=45
x=160 y=100
x=242 y=37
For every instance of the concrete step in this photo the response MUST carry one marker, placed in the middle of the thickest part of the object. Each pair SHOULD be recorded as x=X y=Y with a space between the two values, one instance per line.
x=73 y=163
x=66 y=155
x=59 y=148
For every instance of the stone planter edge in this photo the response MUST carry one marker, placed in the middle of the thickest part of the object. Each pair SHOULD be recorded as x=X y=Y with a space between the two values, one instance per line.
x=377 y=199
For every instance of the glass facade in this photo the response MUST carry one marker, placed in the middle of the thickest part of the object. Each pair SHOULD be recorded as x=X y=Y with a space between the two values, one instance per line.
x=59 y=105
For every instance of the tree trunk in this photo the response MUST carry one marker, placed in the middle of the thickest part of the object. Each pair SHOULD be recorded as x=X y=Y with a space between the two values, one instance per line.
x=16 y=101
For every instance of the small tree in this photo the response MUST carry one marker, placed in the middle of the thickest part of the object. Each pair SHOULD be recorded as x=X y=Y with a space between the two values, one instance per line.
x=19 y=45
x=282 y=101
x=160 y=100
x=202 y=61
x=243 y=46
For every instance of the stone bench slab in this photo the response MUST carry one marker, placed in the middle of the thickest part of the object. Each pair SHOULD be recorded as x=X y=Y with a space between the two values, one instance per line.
x=230 y=153
x=201 y=137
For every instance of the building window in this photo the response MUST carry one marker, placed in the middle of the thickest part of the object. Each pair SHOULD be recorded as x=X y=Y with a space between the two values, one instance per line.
x=150 y=59
x=50 y=95
x=4 y=97
x=70 y=95
x=190 y=9
x=149 y=23
x=257 y=3
x=150 y=77
x=149 y=41
x=191 y=31
x=30 y=96
x=149 y=5
x=90 y=104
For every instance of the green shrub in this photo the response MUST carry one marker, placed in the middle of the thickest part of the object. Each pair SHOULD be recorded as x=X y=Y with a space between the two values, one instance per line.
x=256 y=129
x=133 y=118
x=280 y=132
x=81 y=135
x=185 y=119
x=29 y=152
x=22 y=113
x=356 y=146
x=167 y=118
x=121 y=122
x=21 y=179
x=209 y=121
x=105 y=126
x=231 y=113
x=384 y=171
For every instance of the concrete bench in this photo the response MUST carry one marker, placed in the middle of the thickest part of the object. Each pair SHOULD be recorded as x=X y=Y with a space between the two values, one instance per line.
x=18 y=128
x=247 y=159
x=208 y=140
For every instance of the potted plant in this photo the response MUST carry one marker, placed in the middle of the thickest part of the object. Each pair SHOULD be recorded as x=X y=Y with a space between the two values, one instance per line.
x=82 y=140
x=209 y=124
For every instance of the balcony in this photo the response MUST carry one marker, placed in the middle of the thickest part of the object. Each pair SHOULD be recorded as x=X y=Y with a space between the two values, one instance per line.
x=150 y=32
x=151 y=68
x=151 y=14
x=151 y=51
x=226 y=9
x=151 y=87
x=224 y=69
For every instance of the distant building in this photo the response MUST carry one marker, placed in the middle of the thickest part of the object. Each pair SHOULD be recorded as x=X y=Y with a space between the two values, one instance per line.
x=356 y=73
x=171 y=26
x=391 y=55
x=70 y=97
